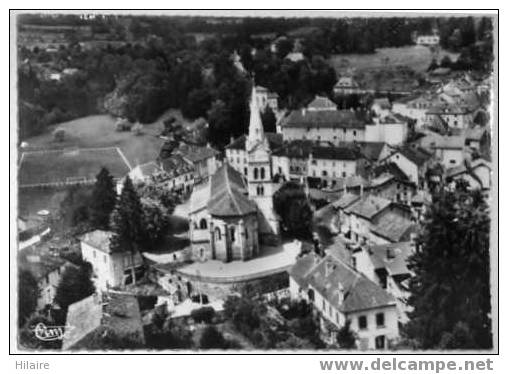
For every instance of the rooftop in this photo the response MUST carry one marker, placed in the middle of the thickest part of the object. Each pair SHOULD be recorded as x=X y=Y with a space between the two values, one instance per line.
x=274 y=141
x=228 y=194
x=393 y=257
x=195 y=153
x=326 y=275
x=321 y=103
x=99 y=239
x=369 y=206
x=416 y=155
x=38 y=263
x=94 y=319
x=176 y=165
x=323 y=118
x=394 y=227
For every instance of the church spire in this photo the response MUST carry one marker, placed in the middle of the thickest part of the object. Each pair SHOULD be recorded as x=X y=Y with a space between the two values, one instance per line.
x=256 y=132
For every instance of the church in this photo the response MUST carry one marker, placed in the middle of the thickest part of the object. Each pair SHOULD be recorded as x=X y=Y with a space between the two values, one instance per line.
x=232 y=214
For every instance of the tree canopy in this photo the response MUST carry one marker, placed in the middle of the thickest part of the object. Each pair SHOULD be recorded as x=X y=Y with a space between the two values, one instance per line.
x=450 y=290
x=102 y=201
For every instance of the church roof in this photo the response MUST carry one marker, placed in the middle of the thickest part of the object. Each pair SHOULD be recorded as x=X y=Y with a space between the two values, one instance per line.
x=323 y=118
x=274 y=141
x=228 y=194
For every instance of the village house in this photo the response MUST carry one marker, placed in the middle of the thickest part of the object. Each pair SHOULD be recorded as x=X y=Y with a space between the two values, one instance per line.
x=365 y=214
x=428 y=40
x=392 y=184
x=180 y=173
x=347 y=85
x=394 y=227
x=413 y=161
x=46 y=268
x=202 y=158
x=321 y=120
x=381 y=107
x=415 y=107
x=386 y=265
x=388 y=128
x=101 y=322
x=454 y=116
x=110 y=269
x=338 y=293
x=450 y=150
x=476 y=173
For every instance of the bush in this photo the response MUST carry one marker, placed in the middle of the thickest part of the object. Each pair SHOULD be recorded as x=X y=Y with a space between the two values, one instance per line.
x=123 y=124
x=137 y=129
x=204 y=314
x=59 y=135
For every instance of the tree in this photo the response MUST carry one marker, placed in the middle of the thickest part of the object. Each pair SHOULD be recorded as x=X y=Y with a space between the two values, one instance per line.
x=28 y=293
x=450 y=290
x=345 y=337
x=211 y=338
x=293 y=207
x=75 y=284
x=102 y=201
x=59 y=135
x=433 y=65
x=446 y=62
x=155 y=223
x=127 y=223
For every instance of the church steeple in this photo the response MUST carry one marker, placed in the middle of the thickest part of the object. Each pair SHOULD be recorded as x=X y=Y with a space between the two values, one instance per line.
x=256 y=132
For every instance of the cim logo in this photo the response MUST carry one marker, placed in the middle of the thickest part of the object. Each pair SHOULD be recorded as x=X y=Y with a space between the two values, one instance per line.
x=50 y=333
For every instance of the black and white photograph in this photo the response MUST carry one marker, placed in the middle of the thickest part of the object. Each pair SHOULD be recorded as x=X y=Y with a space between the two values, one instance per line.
x=262 y=181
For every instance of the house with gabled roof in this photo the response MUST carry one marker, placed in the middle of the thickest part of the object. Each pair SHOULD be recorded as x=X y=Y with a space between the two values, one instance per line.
x=321 y=120
x=387 y=266
x=413 y=161
x=110 y=268
x=339 y=293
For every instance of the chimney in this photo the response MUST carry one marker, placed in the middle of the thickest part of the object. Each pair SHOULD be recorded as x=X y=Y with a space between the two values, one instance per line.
x=341 y=293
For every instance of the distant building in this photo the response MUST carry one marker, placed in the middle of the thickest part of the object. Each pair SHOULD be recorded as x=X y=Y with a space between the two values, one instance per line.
x=295 y=56
x=415 y=107
x=203 y=159
x=450 y=150
x=46 y=268
x=389 y=128
x=347 y=85
x=110 y=269
x=339 y=293
x=322 y=121
x=477 y=173
x=429 y=40
x=103 y=322
x=452 y=115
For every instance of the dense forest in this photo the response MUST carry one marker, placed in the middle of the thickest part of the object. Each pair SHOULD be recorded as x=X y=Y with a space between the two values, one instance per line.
x=162 y=65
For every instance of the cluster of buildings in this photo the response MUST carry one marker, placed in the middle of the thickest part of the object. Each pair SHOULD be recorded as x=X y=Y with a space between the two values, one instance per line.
x=375 y=169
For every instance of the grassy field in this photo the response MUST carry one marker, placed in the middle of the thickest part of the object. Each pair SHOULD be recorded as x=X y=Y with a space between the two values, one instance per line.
x=417 y=58
x=98 y=132
x=61 y=166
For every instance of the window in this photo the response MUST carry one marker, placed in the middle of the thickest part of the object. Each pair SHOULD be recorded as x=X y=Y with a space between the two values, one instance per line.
x=246 y=234
x=310 y=293
x=232 y=233
x=262 y=173
x=256 y=172
x=337 y=317
x=105 y=259
x=354 y=133
x=202 y=224
x=380 y=342
x=343 y=174
x=324 y=305
x=353 y=262
x=452 y=161
x=245 y=171
x=380 y=319
x=218 y=235
x=280 y=170
x=324 y=173
x=362 y=322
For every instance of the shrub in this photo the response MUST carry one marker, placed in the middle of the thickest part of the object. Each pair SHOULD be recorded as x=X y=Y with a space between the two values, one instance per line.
x=204 y=314
x=137 y=129
x=59 y=135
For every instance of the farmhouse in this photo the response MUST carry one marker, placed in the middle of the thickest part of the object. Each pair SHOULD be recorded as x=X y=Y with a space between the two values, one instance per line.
x=339 y=293
x=111 y=269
